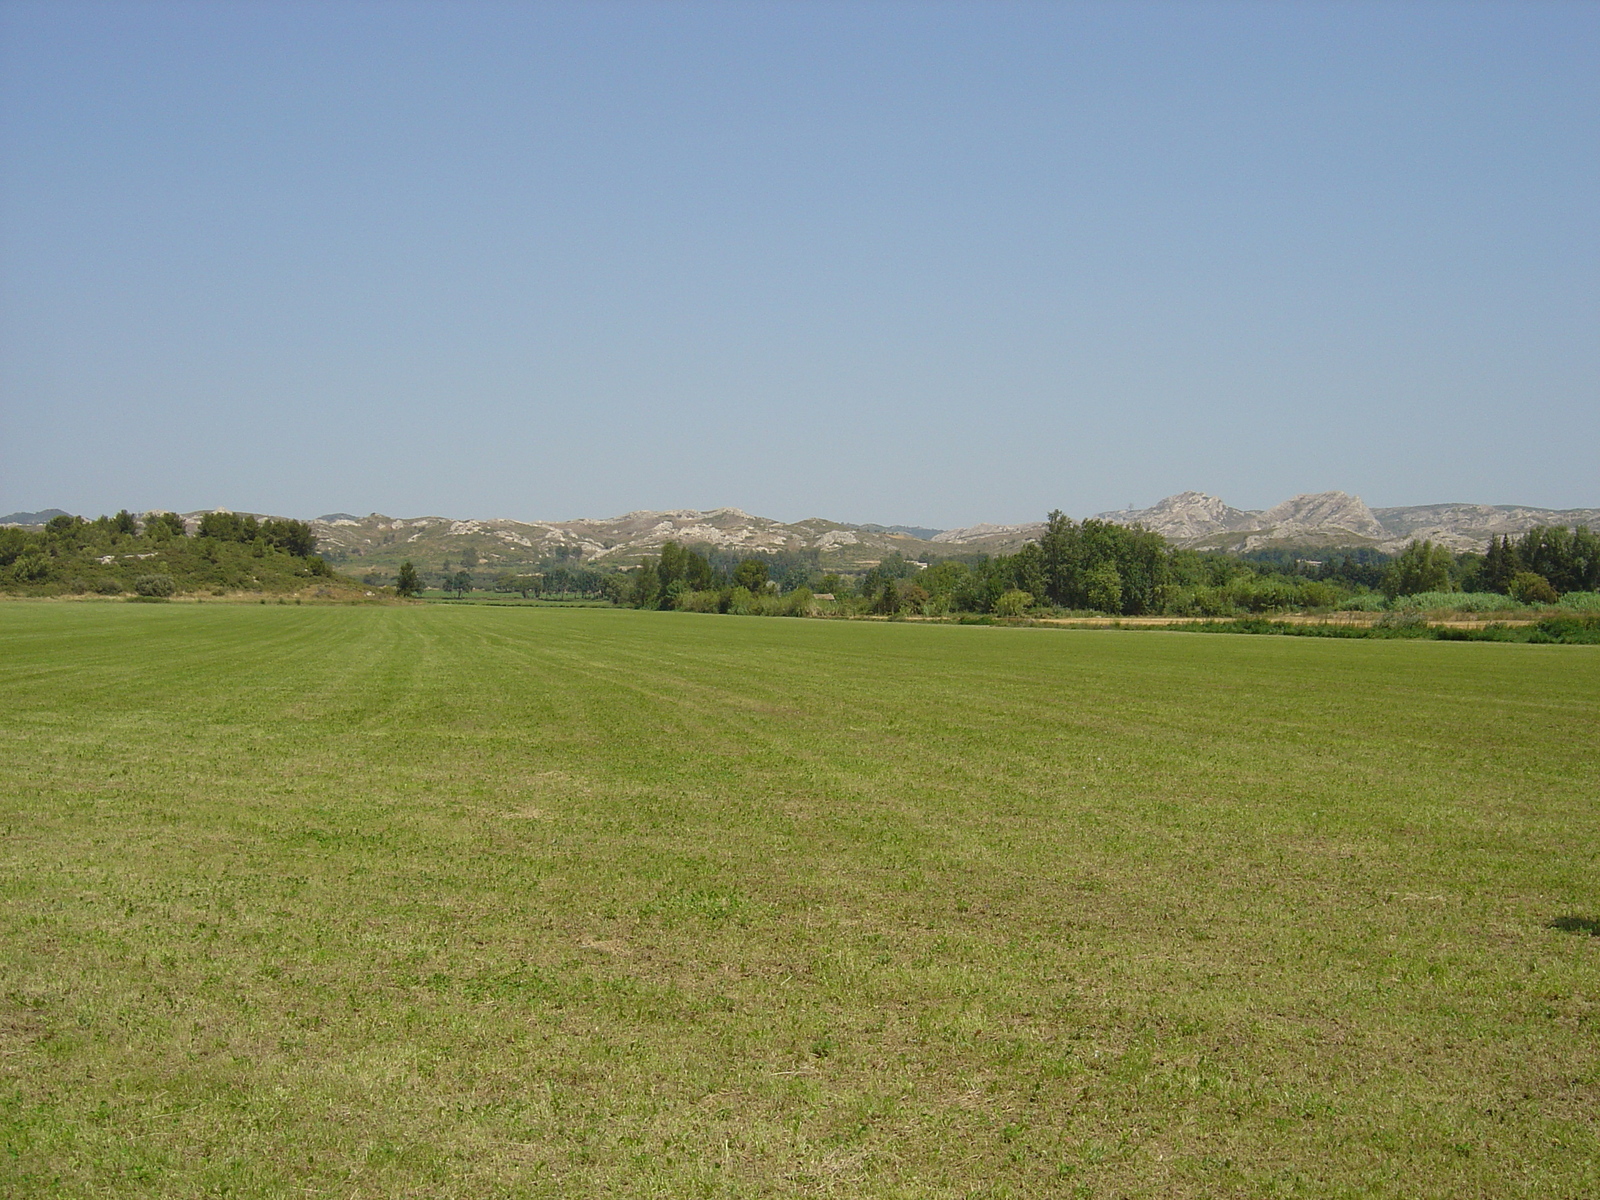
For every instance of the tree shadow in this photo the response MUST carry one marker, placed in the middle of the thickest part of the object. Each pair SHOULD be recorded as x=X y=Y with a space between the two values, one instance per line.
x=1577 y=925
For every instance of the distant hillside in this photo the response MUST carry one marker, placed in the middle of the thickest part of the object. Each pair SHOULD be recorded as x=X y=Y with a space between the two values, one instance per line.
x=1189 y=519
x=379 y=544
x=1335 y=519
x=32 y=518
x=382 y=542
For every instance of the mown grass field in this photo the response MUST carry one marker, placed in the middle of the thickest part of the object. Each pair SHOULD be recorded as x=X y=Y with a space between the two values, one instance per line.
x=478 y=902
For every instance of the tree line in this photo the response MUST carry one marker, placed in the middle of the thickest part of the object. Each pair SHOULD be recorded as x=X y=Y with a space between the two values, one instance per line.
x=1099 y=566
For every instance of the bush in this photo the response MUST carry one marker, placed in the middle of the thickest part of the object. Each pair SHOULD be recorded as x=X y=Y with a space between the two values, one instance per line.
x=1402 y=621
x=1585 y=602
x=701 y=602
x=31 y=566
x=154 y=585
x=108 y=586
x=1532 y=589
x=767 y=604
x=1364 y=602
x=1583 y=630
x=741 y=602
x=799 y=603
x=1013 y=603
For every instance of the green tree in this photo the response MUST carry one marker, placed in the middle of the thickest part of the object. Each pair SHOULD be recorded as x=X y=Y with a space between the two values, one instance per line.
x=296 y=537
x=13 y=544
x=164 y=526
x=229 y=527
x=670 y=566
x=1103 y=588
x=647 y=586
x=1057 y=558
x=407 y=583
x=1569 y=559
x=1420 y=567
x=461 y=583
x=888 y=601
x=751 y=574
x=697 y=571
x=1499 y=564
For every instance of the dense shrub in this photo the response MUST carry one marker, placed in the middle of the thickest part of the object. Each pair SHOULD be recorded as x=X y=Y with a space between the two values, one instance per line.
x=705 y=601
x=108 y=586
x=154 y=585
x=1532 y=589
x=1461 y=602
x=1013 y=603
x=1586 y=602
x=799 y=603
x=31 y=566
x=1364 y=602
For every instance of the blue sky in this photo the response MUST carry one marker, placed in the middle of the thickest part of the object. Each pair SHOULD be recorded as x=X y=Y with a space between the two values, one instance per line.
x=926 y=263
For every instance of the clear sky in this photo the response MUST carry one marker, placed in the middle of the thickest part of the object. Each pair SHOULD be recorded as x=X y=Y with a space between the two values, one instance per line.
x=932 y=263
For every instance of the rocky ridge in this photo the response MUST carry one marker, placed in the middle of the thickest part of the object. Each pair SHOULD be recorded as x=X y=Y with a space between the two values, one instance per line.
x=1338 y=520
x=380 y=540
x=1189 y=519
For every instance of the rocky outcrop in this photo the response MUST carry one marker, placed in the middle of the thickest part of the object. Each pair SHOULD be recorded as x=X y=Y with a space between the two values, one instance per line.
x=1470 y=526
x=983 y=537
x=1184 y=518
x=381 y=541
x=1337 y=519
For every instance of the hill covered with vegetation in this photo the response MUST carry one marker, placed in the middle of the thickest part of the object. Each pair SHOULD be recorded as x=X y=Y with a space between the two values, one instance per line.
x=158 y=556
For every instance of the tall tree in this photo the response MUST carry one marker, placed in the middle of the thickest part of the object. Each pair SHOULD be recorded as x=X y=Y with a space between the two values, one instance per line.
x=1420 y=567
x=647 y=586
x=407 y=583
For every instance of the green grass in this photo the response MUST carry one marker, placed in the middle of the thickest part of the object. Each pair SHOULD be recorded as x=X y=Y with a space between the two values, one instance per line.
x=478 y=901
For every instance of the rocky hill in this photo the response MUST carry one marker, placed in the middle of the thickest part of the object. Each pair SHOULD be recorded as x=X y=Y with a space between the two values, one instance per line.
x=1338 y=520
x=1191 y=519
x=379 y=541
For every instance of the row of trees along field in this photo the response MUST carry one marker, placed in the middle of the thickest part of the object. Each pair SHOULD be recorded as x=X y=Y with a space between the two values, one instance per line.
x=1097 y=566
x=156 y=556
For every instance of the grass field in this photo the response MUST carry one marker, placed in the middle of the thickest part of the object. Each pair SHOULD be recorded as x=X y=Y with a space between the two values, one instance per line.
x=478 y=901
